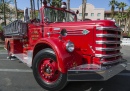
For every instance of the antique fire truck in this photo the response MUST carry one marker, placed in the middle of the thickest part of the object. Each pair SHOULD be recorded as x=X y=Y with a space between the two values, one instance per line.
x=60 y=49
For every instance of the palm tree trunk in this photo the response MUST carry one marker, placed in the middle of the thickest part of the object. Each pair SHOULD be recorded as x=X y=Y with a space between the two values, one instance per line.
x=16 y=9
x=4 y=12
x=41 y=3
x=31 y=9
x=83 y=9
x=34 y=9
x=68 y=8
x=38 y=4
x=68 y=4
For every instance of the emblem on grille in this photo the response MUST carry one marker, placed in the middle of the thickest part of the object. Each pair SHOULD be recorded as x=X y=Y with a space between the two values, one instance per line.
x=85 y=32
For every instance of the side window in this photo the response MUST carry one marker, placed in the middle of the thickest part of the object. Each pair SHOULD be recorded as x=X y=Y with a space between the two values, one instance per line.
x=53 y=15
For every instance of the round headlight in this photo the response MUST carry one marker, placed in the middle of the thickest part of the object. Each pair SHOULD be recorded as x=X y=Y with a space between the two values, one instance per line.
x=69 y=46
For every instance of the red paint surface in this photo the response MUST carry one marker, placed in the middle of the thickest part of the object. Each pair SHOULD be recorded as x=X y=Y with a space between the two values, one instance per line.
x=84 y=44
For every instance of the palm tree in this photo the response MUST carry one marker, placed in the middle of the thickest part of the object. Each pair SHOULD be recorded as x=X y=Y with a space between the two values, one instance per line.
x=118 y=6
x=118 y=18
x=123 y=5
x=128 y=20
x=112 y=3
x=83 y=9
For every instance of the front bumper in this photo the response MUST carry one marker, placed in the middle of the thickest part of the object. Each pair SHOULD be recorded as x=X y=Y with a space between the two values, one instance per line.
x=92 y=72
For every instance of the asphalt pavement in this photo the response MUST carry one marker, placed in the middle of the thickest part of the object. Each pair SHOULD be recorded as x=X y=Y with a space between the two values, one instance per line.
x=16 y=76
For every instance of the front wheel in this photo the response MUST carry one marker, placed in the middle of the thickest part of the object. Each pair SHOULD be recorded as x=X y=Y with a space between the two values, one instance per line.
x=46 y=72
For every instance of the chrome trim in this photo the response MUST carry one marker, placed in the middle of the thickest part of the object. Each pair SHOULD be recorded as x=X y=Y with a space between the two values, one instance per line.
x=108 y=28
x=108 y=56
x=108 y=42
x=108 y=35
x=95 y=73
x=107 y=49
x=112 y=62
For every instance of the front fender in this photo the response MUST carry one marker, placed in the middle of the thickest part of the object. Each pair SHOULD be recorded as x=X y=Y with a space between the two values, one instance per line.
x=63 y=57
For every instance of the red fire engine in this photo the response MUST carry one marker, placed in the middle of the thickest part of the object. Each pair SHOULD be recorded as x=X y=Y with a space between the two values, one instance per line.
x=60 y=49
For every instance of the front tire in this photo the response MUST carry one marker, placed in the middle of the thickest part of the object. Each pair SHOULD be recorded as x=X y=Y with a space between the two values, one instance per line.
x=46 y=72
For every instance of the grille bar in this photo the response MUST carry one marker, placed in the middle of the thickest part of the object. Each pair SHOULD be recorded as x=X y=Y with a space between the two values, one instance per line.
x=108 y=42
x=107 y=49
x=108 y=56
x=112 y=62
x=108 y=28
x=109 y=35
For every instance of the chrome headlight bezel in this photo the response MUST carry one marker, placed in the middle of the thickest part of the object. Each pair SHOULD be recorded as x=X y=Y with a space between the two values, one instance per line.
x=70 y=46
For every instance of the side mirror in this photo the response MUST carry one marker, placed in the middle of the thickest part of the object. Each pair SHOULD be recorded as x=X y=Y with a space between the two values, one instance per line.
x=26 y=14
x=77 y=12
x=46 y=19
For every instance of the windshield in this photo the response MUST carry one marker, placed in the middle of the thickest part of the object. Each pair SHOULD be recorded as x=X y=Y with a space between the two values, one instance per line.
x=54 y=15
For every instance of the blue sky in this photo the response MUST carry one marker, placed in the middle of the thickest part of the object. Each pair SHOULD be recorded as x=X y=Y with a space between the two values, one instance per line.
x=76 y=3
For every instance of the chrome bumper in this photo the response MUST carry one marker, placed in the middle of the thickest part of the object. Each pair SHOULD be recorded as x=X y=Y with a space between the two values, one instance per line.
x=92 y=72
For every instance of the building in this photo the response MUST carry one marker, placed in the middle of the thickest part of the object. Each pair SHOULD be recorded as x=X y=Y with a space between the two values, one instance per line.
x=91 y=12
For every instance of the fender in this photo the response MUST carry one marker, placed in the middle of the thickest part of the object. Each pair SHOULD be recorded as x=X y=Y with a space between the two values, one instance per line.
x=61 y=54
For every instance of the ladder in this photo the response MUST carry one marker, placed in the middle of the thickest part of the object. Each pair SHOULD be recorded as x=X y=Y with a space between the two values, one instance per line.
x=16 y=28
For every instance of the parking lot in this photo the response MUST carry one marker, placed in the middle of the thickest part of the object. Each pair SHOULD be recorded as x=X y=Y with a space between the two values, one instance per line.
x=16 y=76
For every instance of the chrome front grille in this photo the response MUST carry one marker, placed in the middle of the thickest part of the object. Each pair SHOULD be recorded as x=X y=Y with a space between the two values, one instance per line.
x=108 y=44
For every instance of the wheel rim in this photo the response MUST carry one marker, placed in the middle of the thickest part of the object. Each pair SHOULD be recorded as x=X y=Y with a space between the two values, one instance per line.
x=48 y=70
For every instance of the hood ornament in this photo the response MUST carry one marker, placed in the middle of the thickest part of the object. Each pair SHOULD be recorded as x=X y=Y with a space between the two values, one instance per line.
x=85 y=32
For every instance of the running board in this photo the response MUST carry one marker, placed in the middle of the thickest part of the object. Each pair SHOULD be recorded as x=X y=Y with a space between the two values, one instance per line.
x=27 y=59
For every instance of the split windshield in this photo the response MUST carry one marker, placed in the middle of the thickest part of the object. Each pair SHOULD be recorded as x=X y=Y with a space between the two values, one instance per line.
x=54 y=15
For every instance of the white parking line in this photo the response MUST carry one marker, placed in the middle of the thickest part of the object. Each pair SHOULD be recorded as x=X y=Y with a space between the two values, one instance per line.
x=15 y=70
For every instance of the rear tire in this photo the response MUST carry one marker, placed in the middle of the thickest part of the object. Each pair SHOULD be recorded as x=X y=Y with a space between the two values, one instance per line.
x=46 y=72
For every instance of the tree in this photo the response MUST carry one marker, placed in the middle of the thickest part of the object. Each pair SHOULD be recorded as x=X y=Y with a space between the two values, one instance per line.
x=6 y=10
x=127 y=25
x=112 y=3
x=123 y=5
x=118 y=6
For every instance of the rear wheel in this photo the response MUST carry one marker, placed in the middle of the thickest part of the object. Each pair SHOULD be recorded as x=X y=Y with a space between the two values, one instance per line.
x=46 y=72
